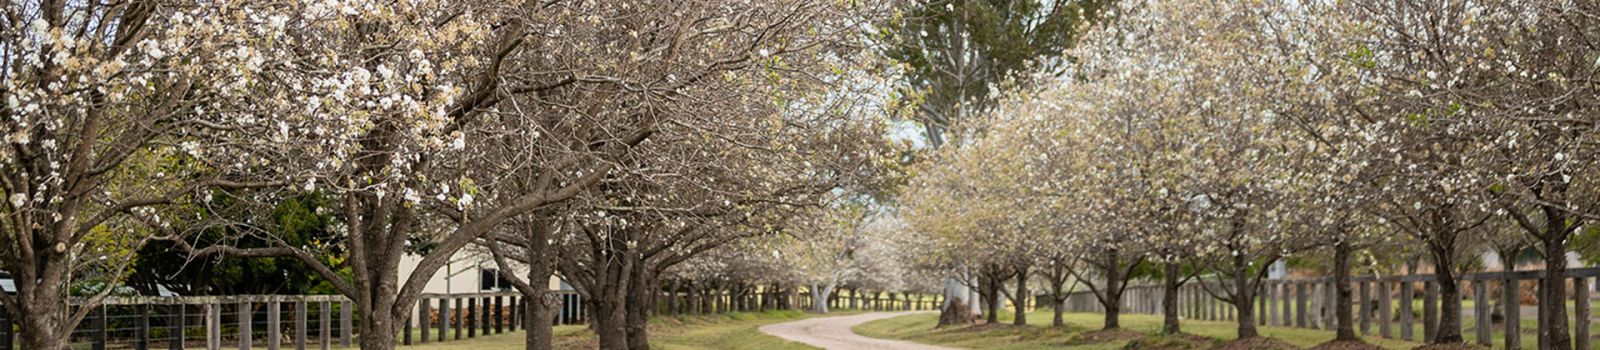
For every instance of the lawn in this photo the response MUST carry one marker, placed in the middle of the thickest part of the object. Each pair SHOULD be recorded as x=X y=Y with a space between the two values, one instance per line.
x=1039 y=335
x=729 y=331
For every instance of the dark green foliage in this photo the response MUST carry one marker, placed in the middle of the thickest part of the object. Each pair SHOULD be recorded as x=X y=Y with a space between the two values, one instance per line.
x=301 y=221
x=959 y=54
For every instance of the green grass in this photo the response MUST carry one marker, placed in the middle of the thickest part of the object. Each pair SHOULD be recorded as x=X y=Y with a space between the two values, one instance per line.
x=1039 y=335
x=728 y=331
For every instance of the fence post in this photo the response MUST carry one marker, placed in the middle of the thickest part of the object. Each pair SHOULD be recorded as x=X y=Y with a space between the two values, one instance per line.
x=1329 y=315
x=562 y=316
x=1261 y=306
x=1513 y=313
x=1286 y=303
x=410 y=321
x=1364 y=309
x=1213 y=309
x=1319 y=305
x=326 y=314
x=274 y=324
x=461 y=316
x=1385 y=310
x=1480 y=310
x=214 y=326
x=244 y=317
x=472 y=317
x=142 y=342
x=1580 y=312
x=499 y=315
x=1430 y=310
x=1300 y=304
x=484 y=317
x=300 y=323
x=346 y=327
x=177 y=328
x=444 y=318
x=5 y=329
x=100 y=327
x=1269 y=303
x=1406 y=322
x=424 y=318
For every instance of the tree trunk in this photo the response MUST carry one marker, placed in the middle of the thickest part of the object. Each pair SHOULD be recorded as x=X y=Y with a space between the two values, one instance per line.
x=672 y=297
x=1553 y=330
x=608 y=294
x=610 y=321
x=792 y=298
x=1169 y=298
x=1020 y=301
x=821 y=294
x=1060 y=312
x=1342 y=304
x=989 y=290
x=1113 y=293
x=378 y=332
x=1058 y=297
x=641 y=297
x=540 y=319
x=42 y=318
x=1449 y=328
x=691 y=299
x=1244 y=297
x=541 y=306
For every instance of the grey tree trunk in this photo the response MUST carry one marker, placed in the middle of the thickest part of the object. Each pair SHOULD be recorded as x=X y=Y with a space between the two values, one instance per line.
x=1342 y=304
x=1169 y=298
x=1244 y=297
x=1553 y=330
x=821 y=294
x=1020 y=301
x=610 y=322
x=641 y=297
x=1112 y=302
x=1449 y=328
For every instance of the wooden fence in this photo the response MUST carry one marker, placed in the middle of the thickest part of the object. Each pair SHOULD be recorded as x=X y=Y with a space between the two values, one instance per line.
x=708 y=302
x=1388 y=301
x=284 y=321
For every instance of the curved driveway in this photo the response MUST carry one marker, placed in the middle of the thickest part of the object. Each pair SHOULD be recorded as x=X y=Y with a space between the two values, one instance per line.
x=833 y=333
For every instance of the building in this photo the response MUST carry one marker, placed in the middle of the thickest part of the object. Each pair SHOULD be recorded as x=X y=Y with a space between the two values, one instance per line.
x=469 y=271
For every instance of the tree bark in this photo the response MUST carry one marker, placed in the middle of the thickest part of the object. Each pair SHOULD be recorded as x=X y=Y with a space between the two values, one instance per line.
x=1553 y=330
x=539 y=320
x=1020 y=300
x=1169 y=298
x=1058 y=275
x=1342 y=304
x=1113 y=292
x=1244 y=297
x=1449 y=328
x=42 y=319
x=821 y=294
x=1060 y=312
x=610 y=322
x=989 y=291
x=641 y=297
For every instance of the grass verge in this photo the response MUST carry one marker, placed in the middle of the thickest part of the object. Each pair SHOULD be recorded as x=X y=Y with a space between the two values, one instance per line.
x=708 y=332
x=1039 y=334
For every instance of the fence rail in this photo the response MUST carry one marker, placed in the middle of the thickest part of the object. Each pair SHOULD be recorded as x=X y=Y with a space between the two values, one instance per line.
x=1388 y=301
x=282 y=321
x=722 y=301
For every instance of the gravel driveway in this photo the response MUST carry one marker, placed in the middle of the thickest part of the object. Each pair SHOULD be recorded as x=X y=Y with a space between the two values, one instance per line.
x=833 y=333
